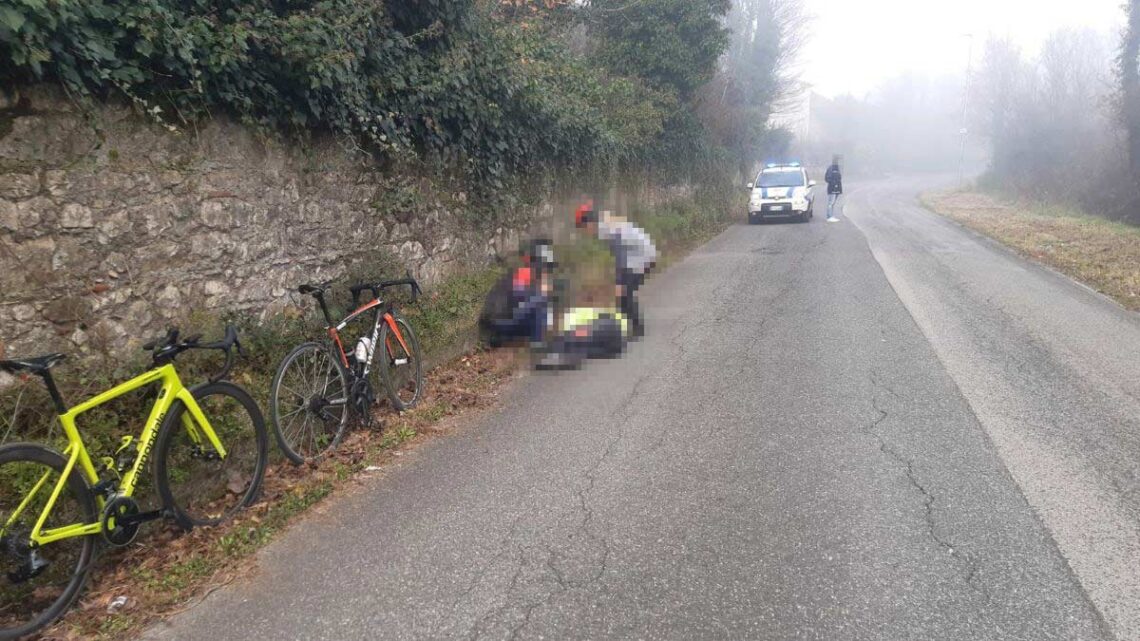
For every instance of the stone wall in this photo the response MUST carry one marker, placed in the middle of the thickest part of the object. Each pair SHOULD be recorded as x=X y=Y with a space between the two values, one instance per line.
x=112 y=226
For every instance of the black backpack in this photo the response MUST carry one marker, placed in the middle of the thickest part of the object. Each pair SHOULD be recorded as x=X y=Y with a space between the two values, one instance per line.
x=498 y=303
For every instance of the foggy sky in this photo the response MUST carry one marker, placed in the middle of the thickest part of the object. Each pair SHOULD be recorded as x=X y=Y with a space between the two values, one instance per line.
x=856 y=44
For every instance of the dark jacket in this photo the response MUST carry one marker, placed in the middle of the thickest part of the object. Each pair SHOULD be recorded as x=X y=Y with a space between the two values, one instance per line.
x=834 y=180
x=512 y=302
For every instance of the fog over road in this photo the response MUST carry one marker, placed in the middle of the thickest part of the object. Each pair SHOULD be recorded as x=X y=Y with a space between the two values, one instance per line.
x=885 y=428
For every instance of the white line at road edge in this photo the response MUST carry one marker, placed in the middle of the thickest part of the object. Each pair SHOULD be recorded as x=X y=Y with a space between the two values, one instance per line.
x=1091 y=527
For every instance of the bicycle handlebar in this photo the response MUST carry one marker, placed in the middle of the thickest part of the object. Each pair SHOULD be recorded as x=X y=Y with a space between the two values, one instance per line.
x=164 y=350
x=376 y=288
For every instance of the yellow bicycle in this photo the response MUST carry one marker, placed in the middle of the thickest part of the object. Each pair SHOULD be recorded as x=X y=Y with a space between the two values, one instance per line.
x=210 y=448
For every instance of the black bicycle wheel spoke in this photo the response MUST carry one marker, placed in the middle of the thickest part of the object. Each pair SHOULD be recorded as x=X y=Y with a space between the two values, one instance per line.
x=301 y=422
x=296 y=411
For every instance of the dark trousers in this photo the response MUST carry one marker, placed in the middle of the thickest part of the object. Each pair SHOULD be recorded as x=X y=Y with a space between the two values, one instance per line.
x=629 y=282
x=528 y=321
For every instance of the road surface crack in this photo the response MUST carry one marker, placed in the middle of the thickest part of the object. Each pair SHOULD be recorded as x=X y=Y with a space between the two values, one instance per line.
x=504 y=548
x=583 y=531
x=488 y=620
x=969 y=566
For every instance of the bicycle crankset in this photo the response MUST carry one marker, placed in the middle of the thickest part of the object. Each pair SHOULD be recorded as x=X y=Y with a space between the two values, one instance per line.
x=118 y=527
x=362 y=400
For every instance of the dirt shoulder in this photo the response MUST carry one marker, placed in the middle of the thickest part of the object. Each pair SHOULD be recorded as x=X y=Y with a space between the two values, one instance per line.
x=1104 y=255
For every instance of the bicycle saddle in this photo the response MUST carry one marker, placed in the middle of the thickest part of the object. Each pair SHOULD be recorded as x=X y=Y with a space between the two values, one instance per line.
x=36 y=365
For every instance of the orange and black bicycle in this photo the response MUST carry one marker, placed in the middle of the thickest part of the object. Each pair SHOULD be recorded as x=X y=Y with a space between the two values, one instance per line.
x=320 y=385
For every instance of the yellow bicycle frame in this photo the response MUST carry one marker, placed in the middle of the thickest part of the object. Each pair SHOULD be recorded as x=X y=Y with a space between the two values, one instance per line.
x=172 y=390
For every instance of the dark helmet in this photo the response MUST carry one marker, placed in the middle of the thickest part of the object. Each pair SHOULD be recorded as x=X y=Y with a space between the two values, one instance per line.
x=539 y=253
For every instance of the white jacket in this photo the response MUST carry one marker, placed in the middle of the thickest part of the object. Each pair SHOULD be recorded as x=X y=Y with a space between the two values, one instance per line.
x=633 y=250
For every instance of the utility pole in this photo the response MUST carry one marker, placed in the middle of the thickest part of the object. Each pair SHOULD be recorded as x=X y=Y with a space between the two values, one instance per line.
x=965 y=105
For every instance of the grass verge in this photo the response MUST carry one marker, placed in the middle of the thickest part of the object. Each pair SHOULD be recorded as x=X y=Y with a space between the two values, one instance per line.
x=1103 y=254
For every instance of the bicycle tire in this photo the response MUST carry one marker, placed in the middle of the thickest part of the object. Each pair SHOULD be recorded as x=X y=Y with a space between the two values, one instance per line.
x=210 y=491
x=78 y=490
x=291 y=438
x=388 y=355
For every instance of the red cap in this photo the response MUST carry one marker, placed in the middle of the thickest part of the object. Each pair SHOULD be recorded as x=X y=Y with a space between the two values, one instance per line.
x=584 y=211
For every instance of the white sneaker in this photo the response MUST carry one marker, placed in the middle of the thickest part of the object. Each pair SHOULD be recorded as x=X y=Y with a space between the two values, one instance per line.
x=833 y=219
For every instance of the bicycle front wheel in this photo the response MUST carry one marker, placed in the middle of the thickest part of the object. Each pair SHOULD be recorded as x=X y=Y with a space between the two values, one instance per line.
x=197 y=483
x=400 y=365
x=37 y=585
x=308 y=403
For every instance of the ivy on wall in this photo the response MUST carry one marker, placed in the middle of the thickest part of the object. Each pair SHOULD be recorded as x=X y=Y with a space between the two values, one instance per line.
x=466 y=84
x=439 y=78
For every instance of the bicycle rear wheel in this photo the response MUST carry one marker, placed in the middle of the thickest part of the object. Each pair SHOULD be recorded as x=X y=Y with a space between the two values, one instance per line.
x=401 y=370
x=308 y=403
x=195 y=483
x=38 y=585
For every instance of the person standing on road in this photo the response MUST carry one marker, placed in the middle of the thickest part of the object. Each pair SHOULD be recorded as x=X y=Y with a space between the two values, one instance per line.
x=834 y=180
x=634 y=256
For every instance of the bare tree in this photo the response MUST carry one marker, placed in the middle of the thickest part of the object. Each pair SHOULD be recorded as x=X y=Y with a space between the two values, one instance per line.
x=1128 y=69
x=757 y=73
x=1004 y=82
x=1049 y=124
x=1070 y=118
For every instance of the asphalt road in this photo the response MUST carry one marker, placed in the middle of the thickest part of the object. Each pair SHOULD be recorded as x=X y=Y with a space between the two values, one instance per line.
x=884 y=428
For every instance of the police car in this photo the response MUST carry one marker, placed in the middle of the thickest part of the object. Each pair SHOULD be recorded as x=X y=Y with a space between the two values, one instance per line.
x=781 y=190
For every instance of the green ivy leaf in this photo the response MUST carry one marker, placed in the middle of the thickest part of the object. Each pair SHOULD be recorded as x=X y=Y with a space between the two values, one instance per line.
x=12 y=19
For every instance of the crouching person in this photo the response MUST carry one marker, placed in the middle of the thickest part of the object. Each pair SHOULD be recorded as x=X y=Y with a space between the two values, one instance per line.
x=518 y=308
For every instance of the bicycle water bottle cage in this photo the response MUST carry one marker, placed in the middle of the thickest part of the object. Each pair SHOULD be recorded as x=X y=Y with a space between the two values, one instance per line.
x=125 y=455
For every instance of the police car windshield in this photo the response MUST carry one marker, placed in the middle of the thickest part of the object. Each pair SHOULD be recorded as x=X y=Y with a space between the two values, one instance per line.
x=780 y=178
